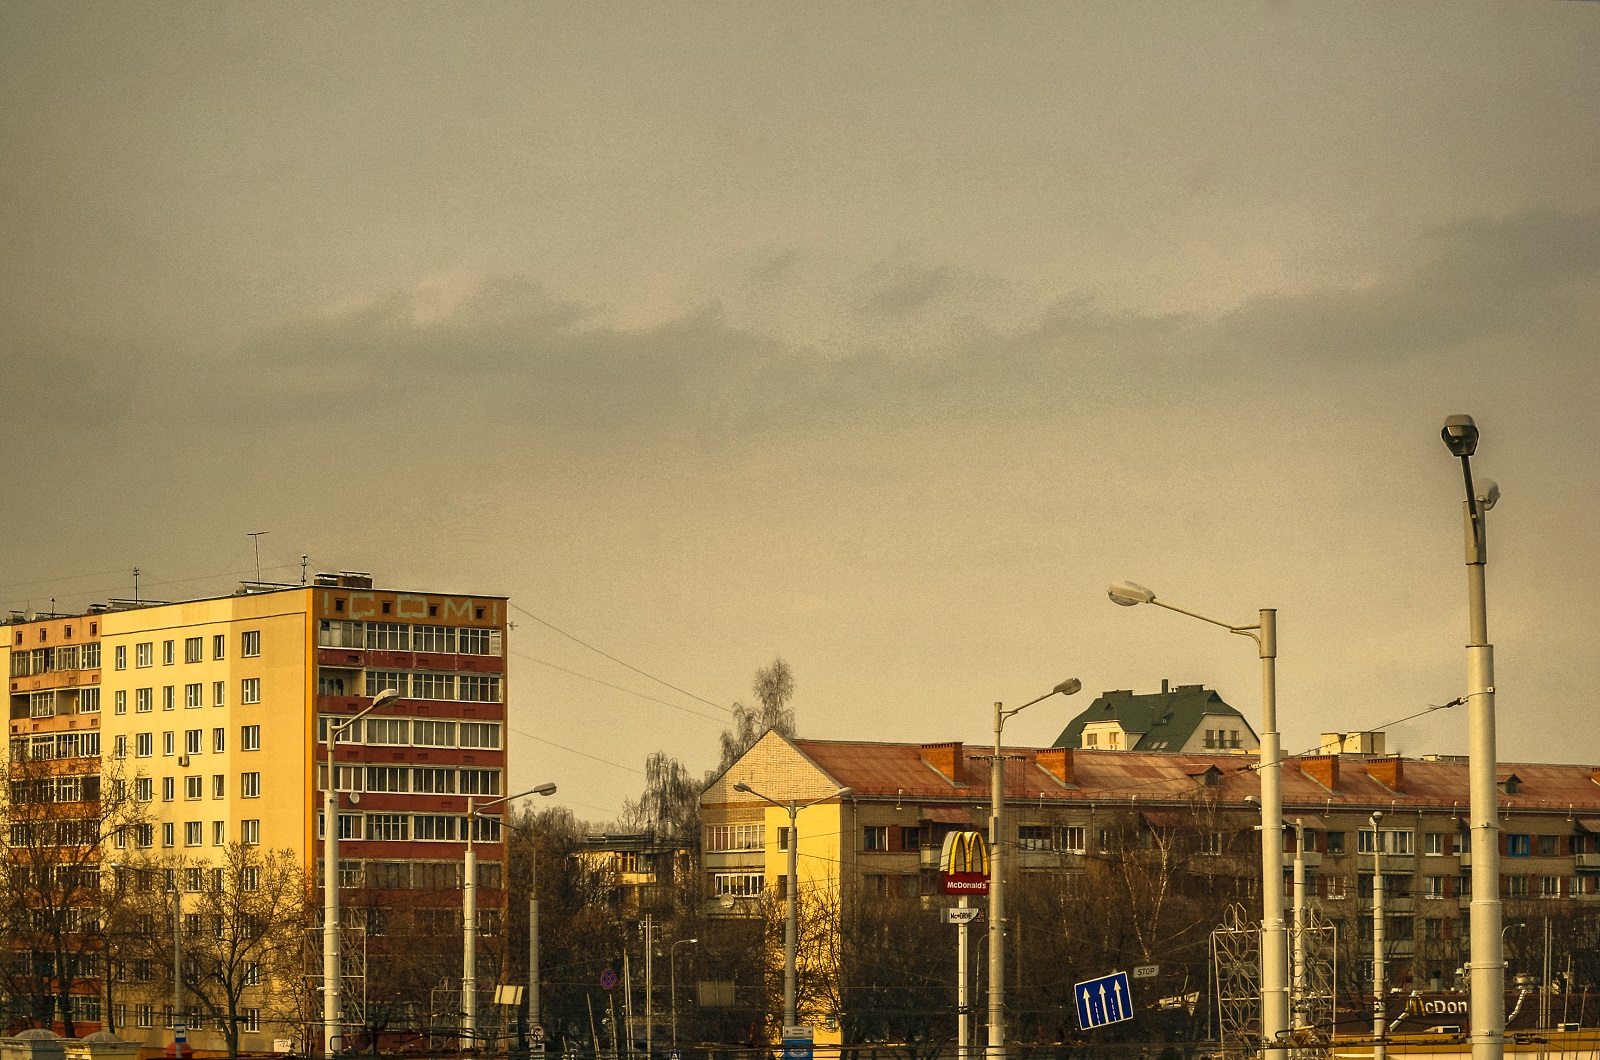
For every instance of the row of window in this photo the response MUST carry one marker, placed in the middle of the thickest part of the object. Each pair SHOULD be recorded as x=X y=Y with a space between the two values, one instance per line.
x=1397 y=886
x=413 y=827
x=382 y=731
x=147 y=1016
x=144 y=788
x=144 y=743
x=726 y=837
x=419 y=780
x=194 y=832
x=144 y=699
x=48 y=747
x=144 y=652
x=49 y=703
x=398 y=636
x=461 y=688
x=54 y=660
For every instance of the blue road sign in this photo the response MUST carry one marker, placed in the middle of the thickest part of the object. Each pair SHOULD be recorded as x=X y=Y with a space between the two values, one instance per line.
x=1104 y=1000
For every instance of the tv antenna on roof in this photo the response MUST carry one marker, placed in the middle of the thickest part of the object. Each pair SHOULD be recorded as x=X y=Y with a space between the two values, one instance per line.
x=255 y=539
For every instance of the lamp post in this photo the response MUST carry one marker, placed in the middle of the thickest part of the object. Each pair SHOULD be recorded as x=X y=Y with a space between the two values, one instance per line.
x=791 y=930
x=469 y=917
x=997 y=802
x=672 y=964
x=1274 y=941
x=1486 y=963
x=331 y=1015
x=1379 y=1047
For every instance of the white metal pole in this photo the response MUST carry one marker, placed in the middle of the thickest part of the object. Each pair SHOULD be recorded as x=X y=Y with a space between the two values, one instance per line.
x=1274 y=949
x=791 y=927
x=1302 y=1015
x=649 y=985
x=330 y=905
x=533 y=952
x=469 y=938
x=1487 y=948
x=997 y=965
x=963 y=1034
x=1379 y=1016
x=177 y=965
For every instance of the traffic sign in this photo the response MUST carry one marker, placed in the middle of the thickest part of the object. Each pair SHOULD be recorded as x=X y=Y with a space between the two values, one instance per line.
x=1146 y=971
x=608 y=979
x=536 y=1032
x=1104 y=1000
x=968 y=915
x=180 y=1034
x=797 y=1042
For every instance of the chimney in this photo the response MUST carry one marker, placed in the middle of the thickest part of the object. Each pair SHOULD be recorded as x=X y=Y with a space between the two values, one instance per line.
x=1389 y=772
x=947 y=759
x=1057 y=761
x=1324 y=769
x=1163 y=686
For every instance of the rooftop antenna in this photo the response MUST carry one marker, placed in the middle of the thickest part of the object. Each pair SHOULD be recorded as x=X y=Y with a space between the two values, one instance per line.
x=255 y=539
x=303 y=559
x=136 y=585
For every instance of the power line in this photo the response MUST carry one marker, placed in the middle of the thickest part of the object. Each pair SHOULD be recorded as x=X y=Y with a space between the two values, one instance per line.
x=581 y=754
x=619 y=662
x=619 y=688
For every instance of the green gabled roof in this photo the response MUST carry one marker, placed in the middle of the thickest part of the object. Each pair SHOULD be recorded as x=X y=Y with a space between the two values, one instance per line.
x=1167 y=719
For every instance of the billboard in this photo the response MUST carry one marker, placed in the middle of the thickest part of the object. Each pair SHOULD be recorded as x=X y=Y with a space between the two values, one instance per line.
x=964 y=863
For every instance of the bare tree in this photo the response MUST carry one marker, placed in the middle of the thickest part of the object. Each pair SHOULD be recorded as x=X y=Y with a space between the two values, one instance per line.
x=773 y=688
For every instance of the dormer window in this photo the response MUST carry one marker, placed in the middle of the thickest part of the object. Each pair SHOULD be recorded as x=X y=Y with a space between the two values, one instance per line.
x=1510 y=784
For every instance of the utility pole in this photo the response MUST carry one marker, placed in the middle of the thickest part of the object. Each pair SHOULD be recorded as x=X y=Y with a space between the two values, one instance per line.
x=1379 y=1016
x=649 y=985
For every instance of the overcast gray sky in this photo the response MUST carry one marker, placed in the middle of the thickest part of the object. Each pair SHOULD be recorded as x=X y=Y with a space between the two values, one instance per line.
x=881 y=337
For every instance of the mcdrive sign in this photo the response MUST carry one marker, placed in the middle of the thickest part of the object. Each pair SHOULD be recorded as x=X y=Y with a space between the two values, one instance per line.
x=964 y=863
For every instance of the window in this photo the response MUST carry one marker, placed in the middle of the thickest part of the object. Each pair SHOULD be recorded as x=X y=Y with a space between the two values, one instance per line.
x=1518 y=846
x=1395 y=841
x=89 y=701
x=738 y=884
x=433 y=781
x=434 y=828
x=121 y=746
x=250 y=1018
x=194 y=696
x=144 y=700
x=193 y=740
x=219 y=693
x=433 y=686
x=144 y=743
x=219 y=833
x=193 y=880
x=476 y=641
x=484 y=734
x=144 y=789
x=169 y=654
x=1073 y=838
x=434 y=734
x=144 y=1015
x=1549 y=886
x=388 y=778
x=1213 y=843
x=479 y=689
x=388 y=636
x=1516 y=886
x=1433 y=886
x=169 y=697
x=725 y=837
x=219 y=645
x=440 y=640
x=1333 y=886
x=250 y=643
x=250 y=833
x=144 y=654
x=219 y=786
x=394 y=732
x=249 y=785
x=250 y=878
x=1549 y=845
x=392 y=827
x=169 y=832
x=1336 y=842
x=250 y=690
x=910 y=838
x=382 y=680
x=193 y=787
x=167 y=743
x=1033 y=837
x=250 y=737
x=1434 y=843
x=194 y=649
x=169 y=789
x=875 y=837
x=219 y=740
x=120 y=699
x=480 y=781
x=121 y=656
x=193 y=833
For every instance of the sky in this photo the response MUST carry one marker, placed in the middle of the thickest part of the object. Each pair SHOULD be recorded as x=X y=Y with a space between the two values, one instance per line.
x=880 y=338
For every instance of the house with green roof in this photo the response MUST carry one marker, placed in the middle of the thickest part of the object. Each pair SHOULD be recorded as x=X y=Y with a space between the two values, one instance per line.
x=1185 y=719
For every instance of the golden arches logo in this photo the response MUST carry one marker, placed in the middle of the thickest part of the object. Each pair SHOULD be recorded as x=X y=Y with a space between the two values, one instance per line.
x=964 y=853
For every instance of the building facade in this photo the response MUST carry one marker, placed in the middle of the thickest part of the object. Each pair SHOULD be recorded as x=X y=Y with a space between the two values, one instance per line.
x=209 y=718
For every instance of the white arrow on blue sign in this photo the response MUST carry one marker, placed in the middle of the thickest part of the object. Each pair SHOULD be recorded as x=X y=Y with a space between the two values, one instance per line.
x=1104 y=1000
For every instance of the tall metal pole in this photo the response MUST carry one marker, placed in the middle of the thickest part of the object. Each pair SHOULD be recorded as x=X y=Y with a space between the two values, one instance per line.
x=997 y=963
x=469 y=937
x=177 y=966
x=1487 y=955
x=533 y=951
x=649 y=985
x=1302 y=1015
x=1380 y=1048
x=330 y=905
x=963 y=965
x=1274 y=948
x=791 y=927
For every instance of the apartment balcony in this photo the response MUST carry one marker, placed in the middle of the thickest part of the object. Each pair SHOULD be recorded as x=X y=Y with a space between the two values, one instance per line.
x=736 y=859
x=1311 y=858
x=928 y=858
x=1586 y=862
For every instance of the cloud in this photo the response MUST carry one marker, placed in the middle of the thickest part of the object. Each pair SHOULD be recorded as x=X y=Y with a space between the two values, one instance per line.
x=910 y=291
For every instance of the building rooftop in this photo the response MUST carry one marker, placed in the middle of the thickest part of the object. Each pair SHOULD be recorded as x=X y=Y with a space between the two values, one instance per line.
x=1167 y=719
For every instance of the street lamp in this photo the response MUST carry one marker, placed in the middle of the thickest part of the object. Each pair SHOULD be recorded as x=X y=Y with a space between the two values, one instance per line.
x=331 y=1015
x=791 y=931
x=469 y=916
x=1486 y=963
x=672 y=962
x=997 y=802
x=1274 y=941
x=1380 y=1050
x=178 y=1028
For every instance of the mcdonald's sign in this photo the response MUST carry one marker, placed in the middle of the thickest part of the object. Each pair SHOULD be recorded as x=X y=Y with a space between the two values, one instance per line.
x=964 y=863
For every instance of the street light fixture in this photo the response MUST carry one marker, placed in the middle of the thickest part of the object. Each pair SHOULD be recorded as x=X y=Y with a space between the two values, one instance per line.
x=1486 y=963
x=997 y=802
x=331 y=1014
x=791 y=931
x=469 y=917
x=1274 y=938
x=672 y=962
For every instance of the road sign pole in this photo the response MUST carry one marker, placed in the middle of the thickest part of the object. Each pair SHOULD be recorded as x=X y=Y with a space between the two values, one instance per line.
x=962 y=1035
